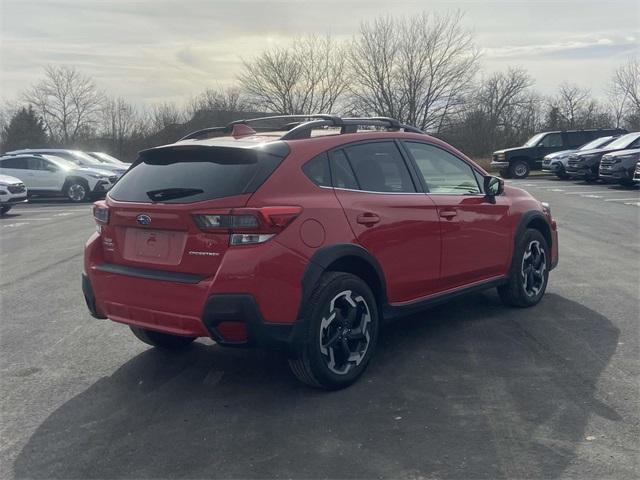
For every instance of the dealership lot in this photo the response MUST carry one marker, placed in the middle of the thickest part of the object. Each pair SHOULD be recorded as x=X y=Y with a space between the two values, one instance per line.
x=470 y=389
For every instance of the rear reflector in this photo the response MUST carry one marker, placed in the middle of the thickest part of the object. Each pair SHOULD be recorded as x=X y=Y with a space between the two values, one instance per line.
x=249 y=238
x=232 y=331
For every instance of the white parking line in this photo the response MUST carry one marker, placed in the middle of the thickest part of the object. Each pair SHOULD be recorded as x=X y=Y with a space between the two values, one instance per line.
x=574 y=186
x=14 y=224
x=621 y=199
x=584 y=192
x=49 y=210
x=26 y=222
x=637 y=204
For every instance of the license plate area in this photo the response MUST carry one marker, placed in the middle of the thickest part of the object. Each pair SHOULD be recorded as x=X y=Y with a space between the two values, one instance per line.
x=163 y=247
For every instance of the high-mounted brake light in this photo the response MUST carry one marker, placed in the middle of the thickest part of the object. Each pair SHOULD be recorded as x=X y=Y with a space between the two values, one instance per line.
x=248 y=226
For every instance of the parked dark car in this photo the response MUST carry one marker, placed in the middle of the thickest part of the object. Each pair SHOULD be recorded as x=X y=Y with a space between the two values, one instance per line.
x=556 y=162
x=517 y=162
x=586 y=164
x=619 y=167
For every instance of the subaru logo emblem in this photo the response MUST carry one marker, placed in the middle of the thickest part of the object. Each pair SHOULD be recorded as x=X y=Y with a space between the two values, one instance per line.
x=143 y=219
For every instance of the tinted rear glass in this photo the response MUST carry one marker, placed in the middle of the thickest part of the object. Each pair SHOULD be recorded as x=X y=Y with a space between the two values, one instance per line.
x=194 y=174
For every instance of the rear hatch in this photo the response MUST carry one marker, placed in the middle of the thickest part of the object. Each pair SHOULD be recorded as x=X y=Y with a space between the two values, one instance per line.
x=177 y=206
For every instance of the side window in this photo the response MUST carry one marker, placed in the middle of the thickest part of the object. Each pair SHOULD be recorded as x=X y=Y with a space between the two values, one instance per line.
x=36 y=163
x=379 y=167
x=443 y=172
x=575 y=139
x=317 y=169
x=341 y=171
x=18 y=163
x=552 y=140
x=635 y=143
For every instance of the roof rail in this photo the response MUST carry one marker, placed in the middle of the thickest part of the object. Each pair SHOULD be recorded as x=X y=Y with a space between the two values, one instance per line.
x=307 y=123
x=348 y=125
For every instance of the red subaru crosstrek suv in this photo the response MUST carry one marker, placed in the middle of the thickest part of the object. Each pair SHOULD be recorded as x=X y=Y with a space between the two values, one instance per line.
x=305 y=238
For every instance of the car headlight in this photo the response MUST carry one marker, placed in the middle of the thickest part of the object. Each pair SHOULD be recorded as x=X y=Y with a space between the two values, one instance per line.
x=97 y=175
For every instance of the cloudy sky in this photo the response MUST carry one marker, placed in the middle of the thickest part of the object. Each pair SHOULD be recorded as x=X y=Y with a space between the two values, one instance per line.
x=168 y=50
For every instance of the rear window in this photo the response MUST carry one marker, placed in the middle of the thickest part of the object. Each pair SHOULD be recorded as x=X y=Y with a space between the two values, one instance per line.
x=195 y=173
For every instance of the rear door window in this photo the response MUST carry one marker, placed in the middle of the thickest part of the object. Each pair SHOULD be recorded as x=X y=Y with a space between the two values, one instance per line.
x=194 y=174
x=575 y=139
x=341 y=171
x=379 y=167
x=17 y=163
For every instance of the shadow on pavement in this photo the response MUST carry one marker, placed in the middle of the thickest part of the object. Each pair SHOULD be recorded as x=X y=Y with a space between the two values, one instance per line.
x=466 y=390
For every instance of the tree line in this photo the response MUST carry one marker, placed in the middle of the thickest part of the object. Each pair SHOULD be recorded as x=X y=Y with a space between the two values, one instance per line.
x=423 y=70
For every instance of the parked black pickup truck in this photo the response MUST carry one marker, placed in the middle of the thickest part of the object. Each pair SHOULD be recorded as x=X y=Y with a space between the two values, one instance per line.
x=517 y=162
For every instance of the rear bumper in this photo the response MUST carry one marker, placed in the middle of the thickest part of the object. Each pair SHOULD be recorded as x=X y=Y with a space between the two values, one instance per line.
x=223 y=306
x=230 y=319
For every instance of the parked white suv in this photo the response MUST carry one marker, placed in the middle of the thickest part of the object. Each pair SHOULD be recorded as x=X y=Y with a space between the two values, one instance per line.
x=12 y=191
x=78 y=157
x=47 y=174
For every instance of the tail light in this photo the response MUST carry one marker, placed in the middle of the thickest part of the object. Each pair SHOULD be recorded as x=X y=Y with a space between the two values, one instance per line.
x=100 y=214
x=248 y=226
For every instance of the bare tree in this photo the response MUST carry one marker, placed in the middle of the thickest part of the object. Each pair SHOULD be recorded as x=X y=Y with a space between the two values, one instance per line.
x=626 y=81
x=165 y=115
x=230 y=99
x=573 y=104
x=68 y=102
x=119 y=119
x=417 y=69
x=307 y=77
x=624 y=94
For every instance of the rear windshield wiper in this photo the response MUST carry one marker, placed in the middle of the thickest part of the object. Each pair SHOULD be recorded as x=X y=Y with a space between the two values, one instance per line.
x=172 y=193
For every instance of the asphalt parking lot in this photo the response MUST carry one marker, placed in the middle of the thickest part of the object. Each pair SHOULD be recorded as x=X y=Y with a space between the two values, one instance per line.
x=469 y=389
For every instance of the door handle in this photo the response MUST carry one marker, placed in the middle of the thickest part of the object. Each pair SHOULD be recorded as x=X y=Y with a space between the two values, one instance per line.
x=448 y=214
x=368 y=218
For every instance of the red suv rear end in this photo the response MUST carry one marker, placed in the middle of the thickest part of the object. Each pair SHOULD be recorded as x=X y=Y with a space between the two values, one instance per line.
x=303 y=240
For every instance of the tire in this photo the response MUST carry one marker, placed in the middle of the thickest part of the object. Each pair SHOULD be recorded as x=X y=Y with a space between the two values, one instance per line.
x=504 y=173
x=77 y=191
x=5 y=208
x=562 y=175
x=519 y=169
x=526 y=287
x=161 y=340
x=333 y=353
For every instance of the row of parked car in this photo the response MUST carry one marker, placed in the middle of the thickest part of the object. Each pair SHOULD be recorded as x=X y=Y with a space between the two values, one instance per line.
x=607 y=154
x=77 y=175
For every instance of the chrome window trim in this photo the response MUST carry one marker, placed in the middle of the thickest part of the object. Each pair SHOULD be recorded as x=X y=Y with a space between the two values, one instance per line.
x=480 y=194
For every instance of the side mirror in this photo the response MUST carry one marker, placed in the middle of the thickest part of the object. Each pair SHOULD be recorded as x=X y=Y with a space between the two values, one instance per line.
x=493 y=186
